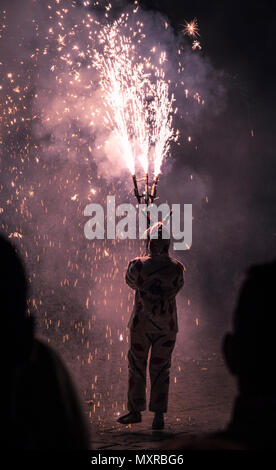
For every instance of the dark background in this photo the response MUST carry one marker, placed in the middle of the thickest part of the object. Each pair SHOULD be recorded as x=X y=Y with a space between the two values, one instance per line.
x=238 y=227
x=238 y=36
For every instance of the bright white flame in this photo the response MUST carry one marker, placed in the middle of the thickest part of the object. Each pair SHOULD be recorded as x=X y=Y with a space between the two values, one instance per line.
x=138 y=103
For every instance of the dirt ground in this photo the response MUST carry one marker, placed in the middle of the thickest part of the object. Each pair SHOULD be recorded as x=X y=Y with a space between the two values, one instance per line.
x=200 y=400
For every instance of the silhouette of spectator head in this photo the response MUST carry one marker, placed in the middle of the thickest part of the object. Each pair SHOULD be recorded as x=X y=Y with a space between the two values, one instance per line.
x=13 y=297
x=250 y=350
x=159 y=239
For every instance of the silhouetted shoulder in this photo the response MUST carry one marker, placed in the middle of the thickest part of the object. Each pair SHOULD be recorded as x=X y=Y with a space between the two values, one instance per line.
x=138 y=263
x=178 y=265
x=46 y=394
x=143 y=262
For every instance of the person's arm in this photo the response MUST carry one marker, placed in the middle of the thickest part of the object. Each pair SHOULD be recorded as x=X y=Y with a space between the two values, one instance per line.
x=177 y=282
x=132 y=274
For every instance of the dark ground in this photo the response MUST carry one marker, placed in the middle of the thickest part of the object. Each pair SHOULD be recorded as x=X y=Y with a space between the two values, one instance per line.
x=201 y=392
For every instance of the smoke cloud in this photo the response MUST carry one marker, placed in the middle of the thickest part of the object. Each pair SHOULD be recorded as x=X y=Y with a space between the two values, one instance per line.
x=57 y=155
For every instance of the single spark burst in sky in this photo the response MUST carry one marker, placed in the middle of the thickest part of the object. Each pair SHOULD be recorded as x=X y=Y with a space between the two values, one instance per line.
x=191 y=28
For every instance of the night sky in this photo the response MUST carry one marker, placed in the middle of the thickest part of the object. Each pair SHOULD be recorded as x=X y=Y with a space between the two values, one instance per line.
x=237 y=36
x=239 y=40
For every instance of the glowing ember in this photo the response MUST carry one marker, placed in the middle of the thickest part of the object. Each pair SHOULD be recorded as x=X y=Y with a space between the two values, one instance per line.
x=196 y=45
x=191 y=29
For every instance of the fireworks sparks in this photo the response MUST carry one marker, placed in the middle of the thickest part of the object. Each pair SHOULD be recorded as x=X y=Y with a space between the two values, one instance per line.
x=15 y=235
x=196 y=45
x=60 y=105
x=191 y=29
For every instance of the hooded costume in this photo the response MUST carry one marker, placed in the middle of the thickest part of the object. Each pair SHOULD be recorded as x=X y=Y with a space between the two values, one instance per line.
x=156 y=279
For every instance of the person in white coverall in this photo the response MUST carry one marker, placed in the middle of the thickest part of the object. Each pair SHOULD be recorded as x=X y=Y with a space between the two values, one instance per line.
x=156 y=279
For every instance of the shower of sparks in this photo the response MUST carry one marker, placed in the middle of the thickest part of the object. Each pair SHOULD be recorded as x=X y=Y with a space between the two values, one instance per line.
x=138 y=101
x=191 y=29
x=123 y=83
